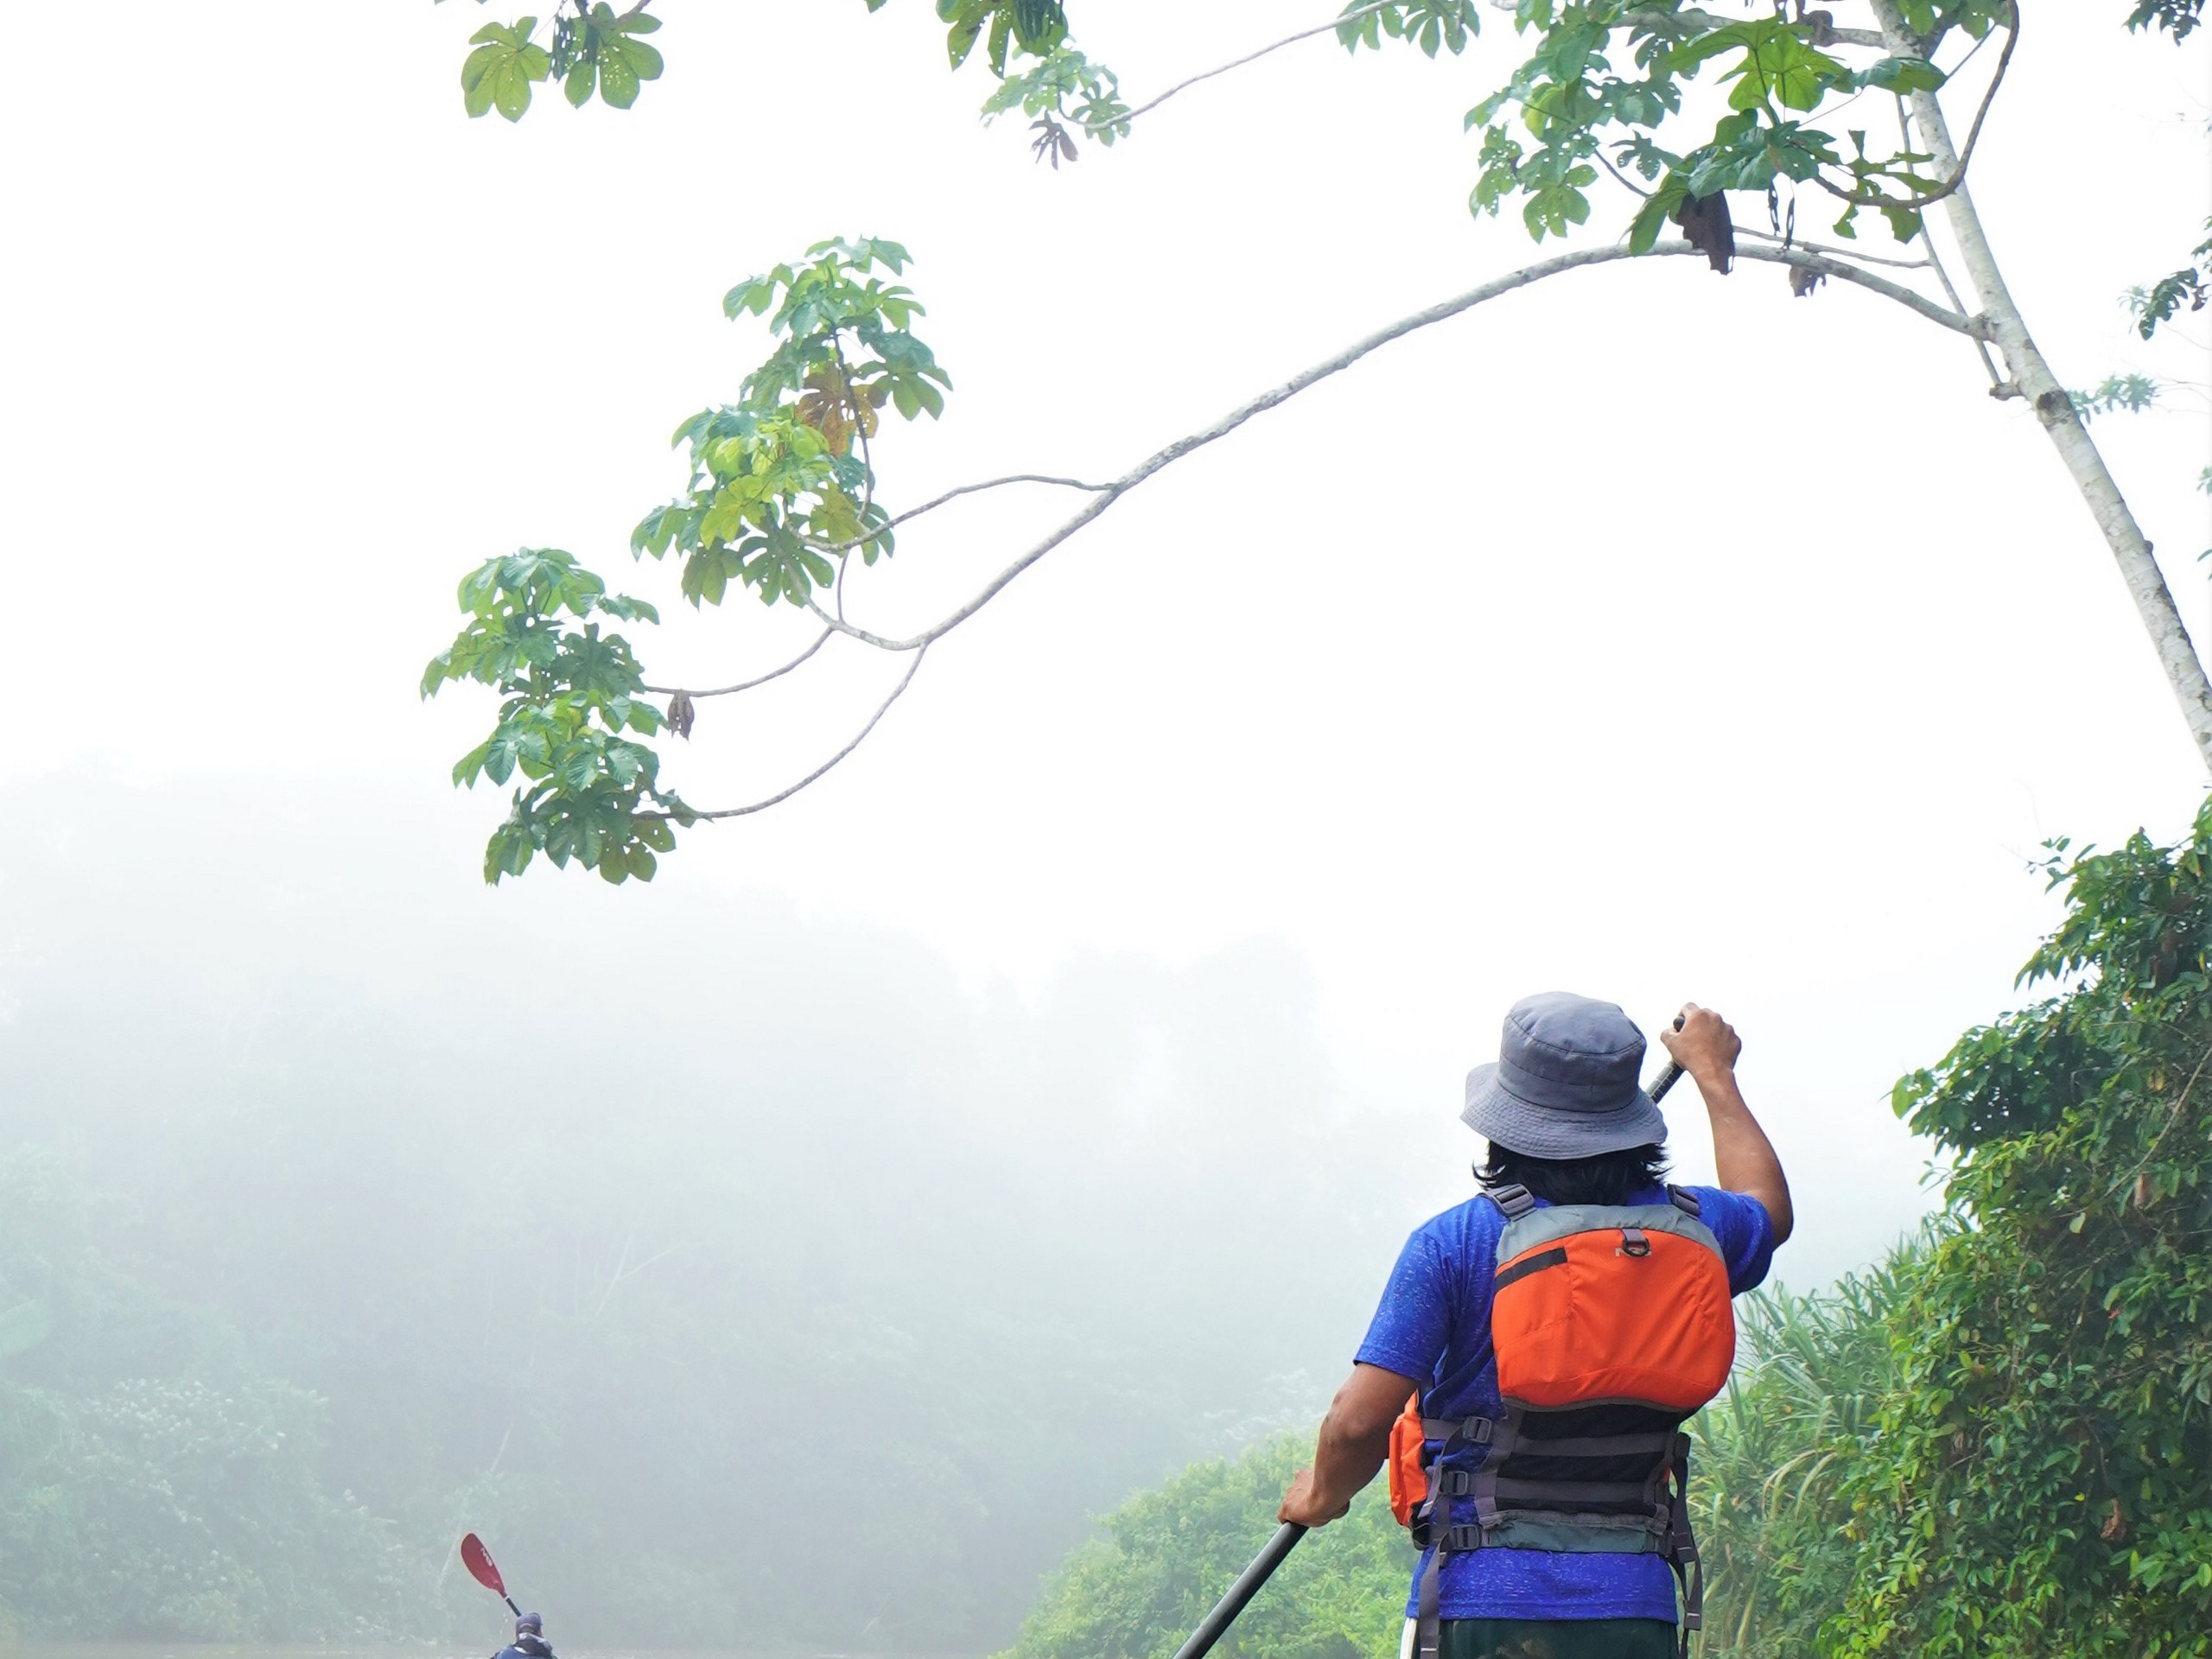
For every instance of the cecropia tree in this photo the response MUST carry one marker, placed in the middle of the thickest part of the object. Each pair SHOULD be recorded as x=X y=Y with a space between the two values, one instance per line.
x=1596 y=130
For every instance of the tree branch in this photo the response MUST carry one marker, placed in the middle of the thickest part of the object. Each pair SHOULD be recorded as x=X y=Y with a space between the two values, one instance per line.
x=1971 y=327
x=742 y=685
x=1974 y=327
x=932 y=505
x=1841 y=253
x=1696 y=21
x=859 y=738
x=1238 y=63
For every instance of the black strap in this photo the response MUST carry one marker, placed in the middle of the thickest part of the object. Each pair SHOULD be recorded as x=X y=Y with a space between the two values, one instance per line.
x=1558 y=1494
x=1514 y=1199
x=1681 y=1545
x=1428 y=1599
x=1683 y=1199
x=1444 y=1538
x=1600 y=1446
x=1459 y=1432
x=1555 y=1257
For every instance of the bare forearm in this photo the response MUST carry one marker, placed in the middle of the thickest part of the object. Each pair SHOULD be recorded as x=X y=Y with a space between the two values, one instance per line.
x=1345 y=1459
x=1743 y=1157
x=1355 y=1438
x=1705 y=1047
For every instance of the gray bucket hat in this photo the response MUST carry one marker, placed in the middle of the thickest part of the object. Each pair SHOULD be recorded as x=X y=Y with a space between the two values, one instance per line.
x=1565 y=1084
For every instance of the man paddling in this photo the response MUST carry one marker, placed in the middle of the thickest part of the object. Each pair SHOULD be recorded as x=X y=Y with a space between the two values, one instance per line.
x=1558 y=1505
x=530 y=1641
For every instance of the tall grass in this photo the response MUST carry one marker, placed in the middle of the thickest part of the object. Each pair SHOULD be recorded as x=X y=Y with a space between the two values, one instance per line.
x=1770 y=1453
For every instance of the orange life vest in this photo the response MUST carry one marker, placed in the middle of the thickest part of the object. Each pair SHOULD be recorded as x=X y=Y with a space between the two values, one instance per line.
x=1610 y=1325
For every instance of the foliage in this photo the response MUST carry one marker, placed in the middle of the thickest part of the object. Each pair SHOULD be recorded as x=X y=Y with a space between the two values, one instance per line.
x=781 y=494
x=570 y=697
x=1157 y=1563
x=2129 y=394
x=2163 y=300
x=159 y=1485
x=590 y=48
x=782 y=486
x=1772 y=1451
x=2177 y=17
x=2040 y=1466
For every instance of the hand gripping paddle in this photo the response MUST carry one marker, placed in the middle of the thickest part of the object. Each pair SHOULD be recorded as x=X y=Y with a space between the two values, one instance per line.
x=477 y=1561
x=1216 y=1622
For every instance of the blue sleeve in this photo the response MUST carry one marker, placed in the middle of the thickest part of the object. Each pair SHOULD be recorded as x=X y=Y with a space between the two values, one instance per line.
x=1745 y=1231
x=1415 y=1321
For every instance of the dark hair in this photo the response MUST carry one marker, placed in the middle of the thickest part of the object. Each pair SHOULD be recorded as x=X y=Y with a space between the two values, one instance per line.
x=1609 y=1178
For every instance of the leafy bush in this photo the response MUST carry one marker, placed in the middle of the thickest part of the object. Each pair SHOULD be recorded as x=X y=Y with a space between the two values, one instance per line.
x=1159 y=1563
x=2039 y=1473
x=158 y=1486
x=1811 y=1373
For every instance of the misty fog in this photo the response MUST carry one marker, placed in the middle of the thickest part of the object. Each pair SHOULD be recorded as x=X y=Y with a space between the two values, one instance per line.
x=743 y=1275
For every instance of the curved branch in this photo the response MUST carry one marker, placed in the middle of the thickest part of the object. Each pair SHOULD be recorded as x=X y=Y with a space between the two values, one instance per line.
x=859 y=738
x=1333 y=24
x=846 y=546
x=1972 y=328
x=1689 y=21
x=742 y=685
x=1673 y=21
x=936 y=502
x=1839 y=253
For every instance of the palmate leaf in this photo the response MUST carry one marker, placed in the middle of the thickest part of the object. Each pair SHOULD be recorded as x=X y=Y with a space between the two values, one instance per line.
x=613 y=58
x=500 y=72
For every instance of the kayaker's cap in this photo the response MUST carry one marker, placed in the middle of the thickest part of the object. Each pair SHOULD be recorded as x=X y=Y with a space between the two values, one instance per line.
x=529 y=1624
x=1565 y=1082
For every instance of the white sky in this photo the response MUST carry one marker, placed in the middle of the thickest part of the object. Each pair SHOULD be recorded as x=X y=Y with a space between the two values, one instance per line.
x=1645 y=633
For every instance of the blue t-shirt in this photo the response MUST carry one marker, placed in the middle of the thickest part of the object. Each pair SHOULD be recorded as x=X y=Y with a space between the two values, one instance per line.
x=1434 y=1322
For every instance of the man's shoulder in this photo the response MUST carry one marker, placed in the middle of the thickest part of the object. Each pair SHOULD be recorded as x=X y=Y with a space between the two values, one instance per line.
x=1476 y=1222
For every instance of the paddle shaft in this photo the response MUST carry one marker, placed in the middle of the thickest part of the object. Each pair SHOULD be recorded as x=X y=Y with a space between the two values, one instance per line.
x=1246 y=1585
x=1669 y=1074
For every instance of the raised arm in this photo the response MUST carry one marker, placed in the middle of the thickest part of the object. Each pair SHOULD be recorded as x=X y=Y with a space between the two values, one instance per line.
x=1355 y=1438
x=1706 y=1047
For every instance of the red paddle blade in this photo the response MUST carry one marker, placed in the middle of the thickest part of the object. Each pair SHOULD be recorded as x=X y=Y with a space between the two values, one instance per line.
x=477 y=1561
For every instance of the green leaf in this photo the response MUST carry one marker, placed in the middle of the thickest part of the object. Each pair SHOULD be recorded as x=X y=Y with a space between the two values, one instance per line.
x=1039 y=25
x=1651 y=220
x=1902 y=76
x=961 y=40
x=500 y=72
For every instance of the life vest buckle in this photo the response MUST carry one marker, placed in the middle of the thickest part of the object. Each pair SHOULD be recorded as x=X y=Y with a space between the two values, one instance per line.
x=1633 y=1243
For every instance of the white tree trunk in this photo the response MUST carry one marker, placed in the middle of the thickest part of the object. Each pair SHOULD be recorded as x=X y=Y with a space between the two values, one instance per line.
x=2032 y=375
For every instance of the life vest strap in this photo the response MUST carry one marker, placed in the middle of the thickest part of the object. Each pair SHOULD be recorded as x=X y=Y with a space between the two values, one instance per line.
x=1514 y=1199
x=1457 y=1432
x=1649 y=1445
